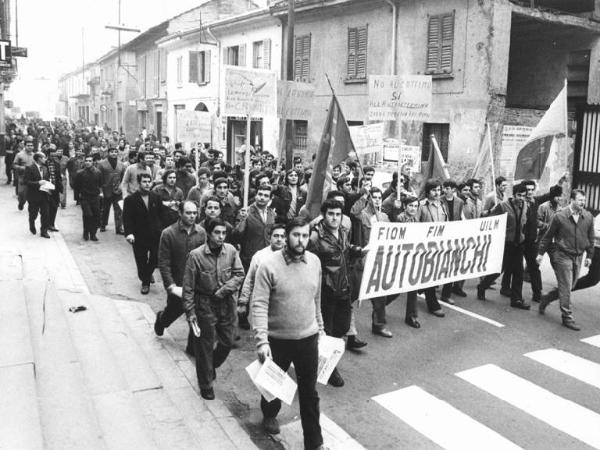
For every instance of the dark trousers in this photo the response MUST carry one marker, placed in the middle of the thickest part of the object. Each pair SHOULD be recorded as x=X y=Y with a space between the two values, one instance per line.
x=593 y=275
x=336 y=312
x=171 y=313
x=304 y=353
x=113 y=201
x=411 y=305
x=90 y=211
x=378 y=319
x=219 y=327
x=431 y=299
x=40 y=206
x=146 y=259
x=447 y=290
x=512 y=268
x=53 y=202
x=8 y=162
x=533 y=268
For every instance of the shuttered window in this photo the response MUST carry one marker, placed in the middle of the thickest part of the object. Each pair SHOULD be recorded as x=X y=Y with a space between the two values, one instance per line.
x=235 y=55
x=261 y=54
x=193 y=69
x=357 y=53
x=302 y=59
x=200 y=67
x=267 y=53
x=163 y=65
x=440 y=44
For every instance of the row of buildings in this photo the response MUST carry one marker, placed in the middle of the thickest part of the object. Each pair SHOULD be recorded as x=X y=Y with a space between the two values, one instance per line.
x=492 y=61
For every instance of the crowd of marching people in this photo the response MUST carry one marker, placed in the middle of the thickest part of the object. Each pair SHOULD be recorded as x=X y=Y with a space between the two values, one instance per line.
x=269 y=266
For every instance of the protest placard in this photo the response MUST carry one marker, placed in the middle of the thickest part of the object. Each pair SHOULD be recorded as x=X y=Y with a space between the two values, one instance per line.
x=367 y=139
x=406 y=97
x=513 y=139
x=249 y=91
x=405 y=257
x=193 y=126
x=294 y=100
x=410 y=156
x=330 y=352
x=275 y=381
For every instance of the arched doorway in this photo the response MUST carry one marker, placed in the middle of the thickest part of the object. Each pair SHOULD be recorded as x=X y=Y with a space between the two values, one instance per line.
x=201 y=107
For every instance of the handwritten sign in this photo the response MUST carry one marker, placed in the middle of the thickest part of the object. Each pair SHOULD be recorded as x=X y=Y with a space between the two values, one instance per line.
x=405 y=98
x=193 y=126
x=367 y=139
x=249 y=91
x=294 y=100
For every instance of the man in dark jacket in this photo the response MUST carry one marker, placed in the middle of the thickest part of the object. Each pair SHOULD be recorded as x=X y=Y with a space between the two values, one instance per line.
x=55 y=177
x=34 y=177
x=87 y=187
x=141 y=218
x=329 y=241
x=176 y=242
x=112 y=171
x=512 y=262
x=252 y=231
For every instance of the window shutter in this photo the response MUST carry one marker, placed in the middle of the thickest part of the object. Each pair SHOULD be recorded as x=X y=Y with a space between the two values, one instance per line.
x=193 y=67
x=225 y=54
x=447 y=43
x=156 y=75
x=352 y=47
x=298 y=58
x=306 y=59
x=267 y=53
x=361 y=54
x=207 y=66
x=433 y=44
x=242 y=55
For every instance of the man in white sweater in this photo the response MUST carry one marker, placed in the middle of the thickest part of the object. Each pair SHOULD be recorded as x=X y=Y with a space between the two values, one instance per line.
x=286 y=319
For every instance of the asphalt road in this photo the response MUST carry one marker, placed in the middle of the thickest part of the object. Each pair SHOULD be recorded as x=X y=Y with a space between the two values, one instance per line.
x=537 y=407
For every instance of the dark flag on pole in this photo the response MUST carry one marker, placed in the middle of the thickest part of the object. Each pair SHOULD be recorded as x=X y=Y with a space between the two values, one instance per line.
x=534 y=154
x=335 y=147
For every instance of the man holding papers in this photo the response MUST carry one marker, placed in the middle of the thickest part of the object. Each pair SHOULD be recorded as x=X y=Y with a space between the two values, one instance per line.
x=287 y=322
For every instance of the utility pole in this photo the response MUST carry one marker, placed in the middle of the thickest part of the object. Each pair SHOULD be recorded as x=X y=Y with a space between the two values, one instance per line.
x=4 y=34
x=289 y=124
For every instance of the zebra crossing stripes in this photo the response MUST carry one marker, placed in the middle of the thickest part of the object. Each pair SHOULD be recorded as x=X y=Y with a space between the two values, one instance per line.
x=440 y=422
x=569 y=364
x=564 y=415
x=594 y=340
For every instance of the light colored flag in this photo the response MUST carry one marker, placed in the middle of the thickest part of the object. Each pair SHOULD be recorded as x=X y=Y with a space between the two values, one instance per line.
x=538 y=149
x=484 y=166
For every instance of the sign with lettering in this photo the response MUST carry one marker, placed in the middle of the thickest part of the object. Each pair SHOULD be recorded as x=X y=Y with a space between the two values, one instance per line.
x=249 y=91
x=405 y=257
x=294 y=100
x=367 y=139
x=5 y=53
x=406 y=97
x=193 y=126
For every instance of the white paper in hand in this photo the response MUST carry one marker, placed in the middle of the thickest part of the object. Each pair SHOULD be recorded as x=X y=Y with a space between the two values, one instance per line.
x=253 y=370
x=330 y=352
x=196 y=329
x=121 y=203
x=276 y=382
x=178 y=291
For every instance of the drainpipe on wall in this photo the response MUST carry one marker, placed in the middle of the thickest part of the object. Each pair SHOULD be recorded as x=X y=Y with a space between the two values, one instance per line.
x=219 y=75
x=394 y=33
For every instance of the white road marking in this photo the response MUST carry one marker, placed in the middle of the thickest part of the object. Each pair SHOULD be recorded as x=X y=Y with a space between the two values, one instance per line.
x=567 y=363
x=594 y=340
x=562 y=414
x=334 y=437
x=441 y=422
x=468 y=313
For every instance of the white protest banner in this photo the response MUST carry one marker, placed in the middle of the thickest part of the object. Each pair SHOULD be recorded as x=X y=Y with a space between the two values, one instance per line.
x=330 y=352
x=405 y=257
x=294 y=100
x=193 y=126
x=275 y=381
x=249 y=91
x=405 y=97
x=367 y=139
x=410 y=156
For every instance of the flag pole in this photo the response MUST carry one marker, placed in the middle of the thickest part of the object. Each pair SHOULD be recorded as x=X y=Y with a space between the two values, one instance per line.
x=489 y=136
x=567 y=121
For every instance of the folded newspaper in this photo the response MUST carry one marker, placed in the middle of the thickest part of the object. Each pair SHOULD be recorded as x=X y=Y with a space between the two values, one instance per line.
x=272 y=381
x=330 y=352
